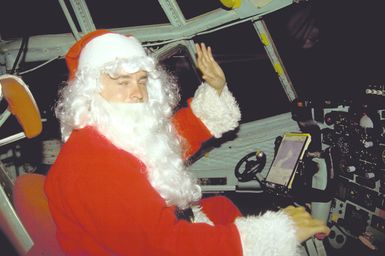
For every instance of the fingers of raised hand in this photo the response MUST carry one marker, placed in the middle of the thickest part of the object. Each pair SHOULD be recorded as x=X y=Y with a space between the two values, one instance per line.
x=204 y=54
x=209 y=54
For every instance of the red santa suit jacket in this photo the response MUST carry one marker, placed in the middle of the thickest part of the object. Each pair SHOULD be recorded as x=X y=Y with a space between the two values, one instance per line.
x=103 y=203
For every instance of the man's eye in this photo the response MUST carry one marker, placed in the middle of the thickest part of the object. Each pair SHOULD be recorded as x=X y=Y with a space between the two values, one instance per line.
x=124 y=83
x=144 y=82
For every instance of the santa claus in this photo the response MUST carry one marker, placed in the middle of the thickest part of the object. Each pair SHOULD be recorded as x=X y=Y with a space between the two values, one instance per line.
x=119 y=185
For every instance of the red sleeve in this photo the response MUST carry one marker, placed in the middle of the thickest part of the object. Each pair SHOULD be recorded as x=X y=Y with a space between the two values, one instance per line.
x=220 y=210
x=192 y=130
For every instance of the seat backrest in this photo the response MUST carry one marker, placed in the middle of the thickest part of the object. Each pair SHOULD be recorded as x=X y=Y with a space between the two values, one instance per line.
x=21 y=103
x=31 y=205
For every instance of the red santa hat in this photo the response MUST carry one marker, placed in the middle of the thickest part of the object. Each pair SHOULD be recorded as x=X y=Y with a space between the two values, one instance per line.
x=100 y=47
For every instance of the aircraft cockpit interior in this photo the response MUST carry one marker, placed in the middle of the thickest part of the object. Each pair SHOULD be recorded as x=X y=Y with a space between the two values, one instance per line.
x=305 y=74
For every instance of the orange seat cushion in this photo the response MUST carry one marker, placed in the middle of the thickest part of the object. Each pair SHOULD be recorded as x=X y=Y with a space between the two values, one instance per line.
x=32 y=208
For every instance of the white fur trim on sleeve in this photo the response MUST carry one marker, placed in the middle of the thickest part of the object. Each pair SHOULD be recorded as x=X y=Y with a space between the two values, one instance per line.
x=220 y=113
x=270 y=234
x=200 y=216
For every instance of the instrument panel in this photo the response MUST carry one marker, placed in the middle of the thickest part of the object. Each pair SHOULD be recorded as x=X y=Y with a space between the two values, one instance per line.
x=356 y=137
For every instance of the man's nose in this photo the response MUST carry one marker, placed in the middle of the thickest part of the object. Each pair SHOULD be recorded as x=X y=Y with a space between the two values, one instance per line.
x=137 y=94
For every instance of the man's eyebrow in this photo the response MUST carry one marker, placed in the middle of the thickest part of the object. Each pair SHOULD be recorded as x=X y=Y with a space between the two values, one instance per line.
x=129 y=76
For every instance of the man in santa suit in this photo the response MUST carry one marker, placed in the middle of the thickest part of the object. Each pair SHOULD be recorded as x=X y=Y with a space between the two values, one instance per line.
x=119 y=185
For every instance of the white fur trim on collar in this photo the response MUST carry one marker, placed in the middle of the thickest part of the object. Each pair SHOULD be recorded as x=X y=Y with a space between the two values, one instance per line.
x=271 y=234
x=219 y=113
x=200 y=216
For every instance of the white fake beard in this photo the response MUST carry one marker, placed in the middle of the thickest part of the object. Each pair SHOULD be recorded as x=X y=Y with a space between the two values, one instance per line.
x=149 y=136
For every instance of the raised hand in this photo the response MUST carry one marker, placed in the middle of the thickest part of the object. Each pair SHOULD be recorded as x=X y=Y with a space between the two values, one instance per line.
x=212 y=73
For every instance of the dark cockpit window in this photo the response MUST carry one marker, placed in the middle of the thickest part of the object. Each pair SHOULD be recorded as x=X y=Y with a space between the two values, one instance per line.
x=21 y=18
x=116 y=14
x=249 y=72
x=195 y=8
x=180 y=65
